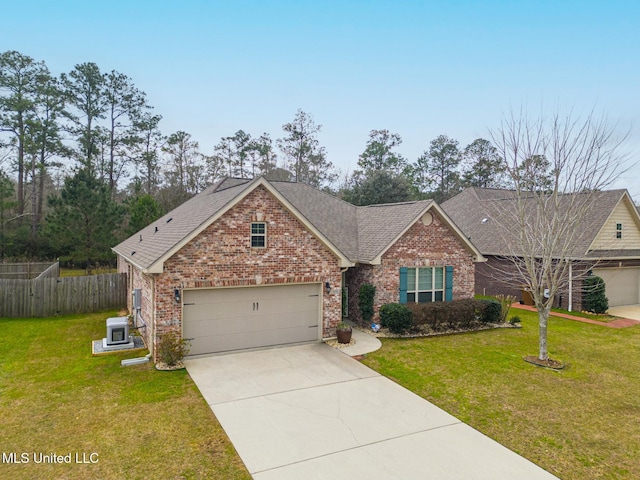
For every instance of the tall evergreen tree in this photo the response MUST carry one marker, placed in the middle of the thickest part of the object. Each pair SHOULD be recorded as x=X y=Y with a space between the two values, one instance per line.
x=306 y=159
x=7 y=203
x=143 y=210
x=185 y=172
x=379 y=153
x=85 y=90
x=18 y=79
x=145 y=151
x=124 y=104
x=83 y=221
x=44 y=145
x=437 y=167
x=379 y=186
x=482 y=166
x=262 y=157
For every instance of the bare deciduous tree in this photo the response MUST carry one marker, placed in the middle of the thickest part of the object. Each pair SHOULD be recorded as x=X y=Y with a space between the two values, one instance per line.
x=540 y=224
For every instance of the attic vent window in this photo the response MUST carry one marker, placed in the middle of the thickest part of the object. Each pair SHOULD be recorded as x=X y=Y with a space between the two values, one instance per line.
x=258 y=235
x=618 y=230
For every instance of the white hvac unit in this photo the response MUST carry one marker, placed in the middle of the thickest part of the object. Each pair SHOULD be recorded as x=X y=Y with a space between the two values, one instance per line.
x=117 y=333
x=117 y=330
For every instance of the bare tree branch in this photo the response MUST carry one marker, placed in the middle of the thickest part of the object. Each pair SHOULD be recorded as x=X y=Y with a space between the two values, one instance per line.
x=558 y=168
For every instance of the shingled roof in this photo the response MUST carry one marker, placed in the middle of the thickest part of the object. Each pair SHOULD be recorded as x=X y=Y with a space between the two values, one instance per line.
x=355 y=234
x=475 y=211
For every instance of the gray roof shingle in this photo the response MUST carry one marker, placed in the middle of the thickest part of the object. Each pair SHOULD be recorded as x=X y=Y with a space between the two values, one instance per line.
x=379 y=225
x=475 y=211
x=359 y=233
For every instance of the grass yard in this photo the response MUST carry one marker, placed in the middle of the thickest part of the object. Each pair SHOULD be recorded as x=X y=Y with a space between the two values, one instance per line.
x=56 y=398
x=81 y=272
x=582 y=422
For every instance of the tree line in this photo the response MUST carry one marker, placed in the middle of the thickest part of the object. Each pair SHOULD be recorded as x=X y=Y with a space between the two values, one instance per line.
x=84 y=163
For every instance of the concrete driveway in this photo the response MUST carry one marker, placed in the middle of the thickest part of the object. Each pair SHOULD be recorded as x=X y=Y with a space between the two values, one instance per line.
x=311 y=412
x=631 y=312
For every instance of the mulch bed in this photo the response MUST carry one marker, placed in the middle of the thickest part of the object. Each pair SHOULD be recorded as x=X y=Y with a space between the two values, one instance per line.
x=549 y=363
x=385 y=333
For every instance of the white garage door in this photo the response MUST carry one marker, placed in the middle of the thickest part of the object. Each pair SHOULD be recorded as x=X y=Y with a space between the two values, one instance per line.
x=622 y=285
x=219 y=320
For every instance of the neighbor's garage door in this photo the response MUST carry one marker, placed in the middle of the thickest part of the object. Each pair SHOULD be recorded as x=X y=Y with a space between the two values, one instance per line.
x=622 y=285
x=218 y=320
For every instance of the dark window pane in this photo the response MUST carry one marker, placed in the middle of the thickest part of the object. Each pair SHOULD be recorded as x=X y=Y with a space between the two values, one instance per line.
x=257 y=228
x=439 y=297
x=411 y=297
x=257 y=241
x=424 y=297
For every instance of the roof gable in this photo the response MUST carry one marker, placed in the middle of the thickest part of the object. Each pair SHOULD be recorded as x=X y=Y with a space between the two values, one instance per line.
x=475 y=211
x=626 y=214
x=353 y=234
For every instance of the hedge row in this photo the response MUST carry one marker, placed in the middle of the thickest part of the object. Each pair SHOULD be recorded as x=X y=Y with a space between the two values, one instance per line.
x=439 y=315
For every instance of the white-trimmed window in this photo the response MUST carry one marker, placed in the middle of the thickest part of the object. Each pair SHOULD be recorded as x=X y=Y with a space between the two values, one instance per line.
x=618 y=230
x=258 y=234
x=425 y=284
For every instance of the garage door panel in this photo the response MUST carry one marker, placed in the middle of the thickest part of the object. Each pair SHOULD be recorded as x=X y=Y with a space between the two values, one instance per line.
x=218 y=320
x=622 y=285
x=209 y=311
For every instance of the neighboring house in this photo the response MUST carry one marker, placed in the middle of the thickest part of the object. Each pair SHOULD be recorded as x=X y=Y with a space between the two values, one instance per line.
x=608 y=245
x=253 y=263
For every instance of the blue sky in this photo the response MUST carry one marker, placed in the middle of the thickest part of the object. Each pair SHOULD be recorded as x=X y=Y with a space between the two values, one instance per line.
x=419 y=69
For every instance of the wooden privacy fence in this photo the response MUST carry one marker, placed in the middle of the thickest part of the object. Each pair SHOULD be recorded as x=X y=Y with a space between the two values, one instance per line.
x=43 y=297
x=29 y=270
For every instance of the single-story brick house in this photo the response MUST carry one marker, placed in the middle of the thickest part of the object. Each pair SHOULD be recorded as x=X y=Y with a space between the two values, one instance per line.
x=253 y=263
x=608 y=244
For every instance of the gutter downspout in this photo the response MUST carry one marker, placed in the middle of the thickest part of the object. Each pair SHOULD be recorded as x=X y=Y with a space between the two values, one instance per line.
x=570 y=306
x=153 y=318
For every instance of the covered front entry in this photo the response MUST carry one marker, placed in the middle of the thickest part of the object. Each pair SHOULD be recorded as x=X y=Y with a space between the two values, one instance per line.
x=622 y=285
x=224 y=319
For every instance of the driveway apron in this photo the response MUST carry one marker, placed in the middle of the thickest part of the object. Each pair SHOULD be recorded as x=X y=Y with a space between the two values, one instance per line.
x=311 y=412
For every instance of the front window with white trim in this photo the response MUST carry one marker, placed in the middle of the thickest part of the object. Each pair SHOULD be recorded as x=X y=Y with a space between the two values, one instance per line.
x=258 y=235
x=425 y=284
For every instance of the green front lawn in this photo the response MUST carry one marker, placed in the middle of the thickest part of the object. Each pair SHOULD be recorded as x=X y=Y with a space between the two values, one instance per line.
x=582 y=422
x=142 y=423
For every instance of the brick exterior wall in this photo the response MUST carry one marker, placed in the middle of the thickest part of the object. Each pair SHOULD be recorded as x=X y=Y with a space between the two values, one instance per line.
x=421 y=246
x=145 y=283
x=221 y=256
x=492 y=278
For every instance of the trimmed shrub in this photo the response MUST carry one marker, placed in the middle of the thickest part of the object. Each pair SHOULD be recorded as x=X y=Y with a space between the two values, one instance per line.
x=365 y=301
x=492 y=312
x=593 y=295
x=442 y=315
x=172 y=349
x=398 y=318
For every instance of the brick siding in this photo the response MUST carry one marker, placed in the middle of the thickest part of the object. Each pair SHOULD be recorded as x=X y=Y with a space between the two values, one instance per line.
x=221 y=256
x=421 y=246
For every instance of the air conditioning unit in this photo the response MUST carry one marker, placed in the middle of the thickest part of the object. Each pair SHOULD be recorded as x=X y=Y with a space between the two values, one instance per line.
x=117 y=331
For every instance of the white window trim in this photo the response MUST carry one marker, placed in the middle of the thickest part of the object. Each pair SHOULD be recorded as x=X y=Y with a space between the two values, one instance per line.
x=258 y=235
x=414 y=289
